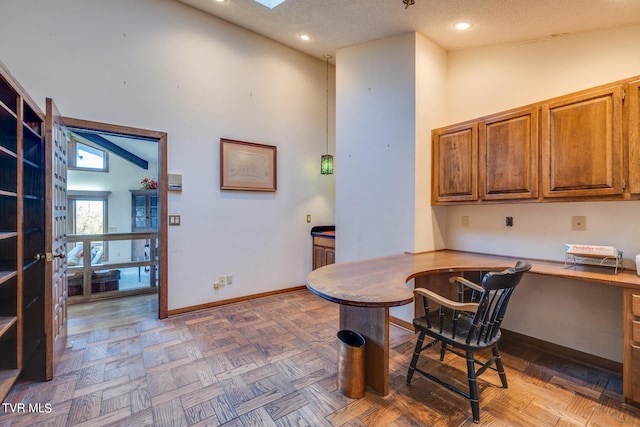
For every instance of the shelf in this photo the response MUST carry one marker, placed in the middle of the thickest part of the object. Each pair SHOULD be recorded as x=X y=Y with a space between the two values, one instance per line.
x=8 y=151
x=4 y=108
x=32 y=131
x=6 y=322
x=29 y=262
x=6 y=275
x=8 y=378
x=28 y=303
x=6 y=111
x=30 y=163
x=8 y=96
x=31 y=197
x=7 y=234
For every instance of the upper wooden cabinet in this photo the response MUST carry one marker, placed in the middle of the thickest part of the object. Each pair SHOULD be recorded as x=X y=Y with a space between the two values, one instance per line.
x=581 y=146
x=508 y=159
x=455 y=164
x=582 y=152
x=633 y=100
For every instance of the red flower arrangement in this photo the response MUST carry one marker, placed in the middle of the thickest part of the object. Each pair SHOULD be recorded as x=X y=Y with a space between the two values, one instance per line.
x=149 y=184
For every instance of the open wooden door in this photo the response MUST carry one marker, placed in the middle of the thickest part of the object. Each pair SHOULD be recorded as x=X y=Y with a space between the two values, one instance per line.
x=56 y=292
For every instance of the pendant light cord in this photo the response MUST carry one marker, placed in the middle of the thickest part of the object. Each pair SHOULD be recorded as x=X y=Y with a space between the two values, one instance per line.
x=327 y=57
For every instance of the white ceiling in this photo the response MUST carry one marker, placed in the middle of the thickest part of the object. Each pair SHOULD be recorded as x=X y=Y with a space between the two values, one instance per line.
x=335 y=24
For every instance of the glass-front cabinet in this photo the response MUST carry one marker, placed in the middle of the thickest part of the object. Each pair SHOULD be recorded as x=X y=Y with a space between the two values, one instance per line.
x=144 y=210
x=144 y=219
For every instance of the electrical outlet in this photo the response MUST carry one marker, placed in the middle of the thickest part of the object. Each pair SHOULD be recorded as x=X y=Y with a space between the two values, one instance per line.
x=579 y=223
x=465 y=221
x=222 y=280
x=229 y=279
x=216 y=285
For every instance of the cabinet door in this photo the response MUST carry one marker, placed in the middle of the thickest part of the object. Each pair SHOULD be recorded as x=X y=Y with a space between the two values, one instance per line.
x=318 y=257
x=508 y=161
x=329 y=256
x=582 y=152
x=144 y=210
x=455 y=164
x=633 y=96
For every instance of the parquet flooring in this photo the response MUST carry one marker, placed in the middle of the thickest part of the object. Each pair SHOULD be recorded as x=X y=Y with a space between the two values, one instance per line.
x=272 y=362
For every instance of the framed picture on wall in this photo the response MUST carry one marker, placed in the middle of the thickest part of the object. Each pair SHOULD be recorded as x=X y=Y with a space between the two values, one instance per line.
x=247 y=166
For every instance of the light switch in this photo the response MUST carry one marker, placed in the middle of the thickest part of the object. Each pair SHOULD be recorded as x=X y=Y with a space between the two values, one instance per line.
x=174 y=219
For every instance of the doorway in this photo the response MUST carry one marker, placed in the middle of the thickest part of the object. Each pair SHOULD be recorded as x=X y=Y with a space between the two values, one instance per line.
x=117 y=222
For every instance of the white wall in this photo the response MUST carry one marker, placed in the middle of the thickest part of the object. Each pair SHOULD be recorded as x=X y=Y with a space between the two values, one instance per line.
x=383 y=145
x=161 y=65
x=375 y=140
x=489 y=80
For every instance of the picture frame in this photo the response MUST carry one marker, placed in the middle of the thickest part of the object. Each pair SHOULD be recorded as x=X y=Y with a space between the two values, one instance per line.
x=247 y=166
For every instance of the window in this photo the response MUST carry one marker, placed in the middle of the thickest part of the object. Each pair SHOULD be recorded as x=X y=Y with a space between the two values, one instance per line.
x=87 y=214
x=84 y=156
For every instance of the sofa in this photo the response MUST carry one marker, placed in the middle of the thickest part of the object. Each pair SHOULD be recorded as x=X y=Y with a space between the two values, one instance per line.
x=101 y=281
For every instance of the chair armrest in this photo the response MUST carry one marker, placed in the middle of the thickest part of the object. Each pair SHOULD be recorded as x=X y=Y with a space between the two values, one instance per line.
x=466 y=282
x=460 y=306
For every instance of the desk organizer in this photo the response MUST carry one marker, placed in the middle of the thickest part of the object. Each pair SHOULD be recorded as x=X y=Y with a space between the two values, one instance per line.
x=601 y=256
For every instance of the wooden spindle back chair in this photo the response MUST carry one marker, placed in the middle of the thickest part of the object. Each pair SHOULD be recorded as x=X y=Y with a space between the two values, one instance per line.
x=468 y=325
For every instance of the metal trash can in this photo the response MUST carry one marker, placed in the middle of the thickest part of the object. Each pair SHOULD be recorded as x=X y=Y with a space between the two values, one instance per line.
x=351 y=376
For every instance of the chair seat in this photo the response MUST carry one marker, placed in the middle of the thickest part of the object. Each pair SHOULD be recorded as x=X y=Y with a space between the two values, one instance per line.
x=445 y=334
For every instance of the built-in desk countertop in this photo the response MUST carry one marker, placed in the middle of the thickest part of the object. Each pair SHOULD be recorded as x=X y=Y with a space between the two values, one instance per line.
x=366 y=289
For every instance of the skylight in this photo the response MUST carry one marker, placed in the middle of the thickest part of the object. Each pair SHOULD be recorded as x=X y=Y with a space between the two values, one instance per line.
x=270 y=3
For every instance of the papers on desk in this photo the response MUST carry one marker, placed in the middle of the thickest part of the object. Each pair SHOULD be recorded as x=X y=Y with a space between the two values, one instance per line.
x=592 y=250
x=604 y=256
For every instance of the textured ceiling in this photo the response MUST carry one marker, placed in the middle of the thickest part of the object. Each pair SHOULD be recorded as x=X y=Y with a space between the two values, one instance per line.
x=334 y=24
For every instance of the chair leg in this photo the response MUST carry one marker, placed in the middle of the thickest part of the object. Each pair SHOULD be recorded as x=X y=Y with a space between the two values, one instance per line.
x=499 y=366
x=416 y=355
x=473 y=388
x=443 y=349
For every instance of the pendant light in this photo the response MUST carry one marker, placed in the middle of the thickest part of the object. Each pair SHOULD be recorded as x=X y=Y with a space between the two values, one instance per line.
x=326 y=162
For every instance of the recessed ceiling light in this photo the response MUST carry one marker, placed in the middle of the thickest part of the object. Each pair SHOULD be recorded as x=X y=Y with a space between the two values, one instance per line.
x=461 y=26
x=221 y=1
x=304 y=37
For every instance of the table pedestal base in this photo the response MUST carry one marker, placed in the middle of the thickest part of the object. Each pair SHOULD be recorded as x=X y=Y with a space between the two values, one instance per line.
x=373 y=325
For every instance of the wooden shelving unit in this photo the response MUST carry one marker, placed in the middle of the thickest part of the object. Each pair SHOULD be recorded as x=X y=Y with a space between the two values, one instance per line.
x=22 y=234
